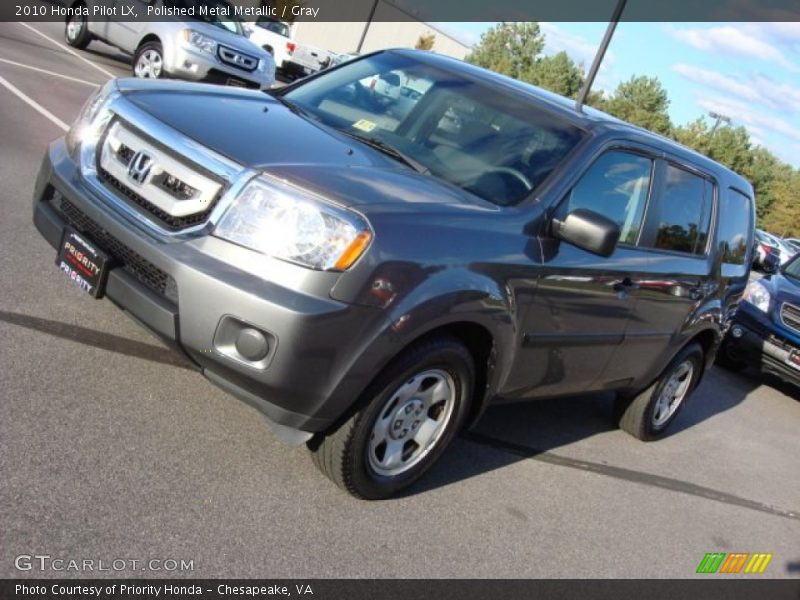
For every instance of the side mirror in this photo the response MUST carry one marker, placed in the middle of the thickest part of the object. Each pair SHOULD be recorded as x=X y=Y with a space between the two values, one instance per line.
x=771 y=264
x=588 y=230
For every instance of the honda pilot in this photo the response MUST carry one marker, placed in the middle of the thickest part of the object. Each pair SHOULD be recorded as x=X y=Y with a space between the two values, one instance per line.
x=372 y=283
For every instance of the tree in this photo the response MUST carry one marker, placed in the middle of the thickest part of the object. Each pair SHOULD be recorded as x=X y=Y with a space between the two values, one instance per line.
x=425 y=41
x=642 y=101
x=510 y=49
x=559 y=74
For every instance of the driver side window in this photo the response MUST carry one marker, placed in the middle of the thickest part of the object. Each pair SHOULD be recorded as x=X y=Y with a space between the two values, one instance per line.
x=616 y=186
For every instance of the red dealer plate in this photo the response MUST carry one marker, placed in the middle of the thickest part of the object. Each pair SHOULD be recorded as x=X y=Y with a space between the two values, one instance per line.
x=82 y=262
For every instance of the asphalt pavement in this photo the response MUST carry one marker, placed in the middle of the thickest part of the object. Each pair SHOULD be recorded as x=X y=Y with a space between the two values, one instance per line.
x=112 y=449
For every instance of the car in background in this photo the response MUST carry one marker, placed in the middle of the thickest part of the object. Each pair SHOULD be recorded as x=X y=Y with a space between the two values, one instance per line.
x=793 y=243
x=766 y=246
x=765 y=331
x=209 y=49
x=273 y=36
x=385 y=87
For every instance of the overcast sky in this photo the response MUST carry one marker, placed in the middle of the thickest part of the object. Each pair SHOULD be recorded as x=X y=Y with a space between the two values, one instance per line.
x=748 y=71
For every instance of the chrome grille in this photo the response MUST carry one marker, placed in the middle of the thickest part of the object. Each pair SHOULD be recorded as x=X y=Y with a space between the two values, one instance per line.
x=237 y=59
x=178 y=195
x=790 y=315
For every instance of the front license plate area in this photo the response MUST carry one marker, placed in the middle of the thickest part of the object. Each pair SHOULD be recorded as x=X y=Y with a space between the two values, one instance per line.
x=794 y=359
x=83 y=262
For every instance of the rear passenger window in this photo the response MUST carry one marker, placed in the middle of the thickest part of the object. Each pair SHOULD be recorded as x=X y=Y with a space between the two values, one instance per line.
x=735 y=227
x=679 y=218
x=616 y=186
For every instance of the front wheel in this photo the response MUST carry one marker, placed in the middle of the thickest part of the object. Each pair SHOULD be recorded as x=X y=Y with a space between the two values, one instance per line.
x=148 y=63
x=76 y=30
x=647 y=415
x=412 y=411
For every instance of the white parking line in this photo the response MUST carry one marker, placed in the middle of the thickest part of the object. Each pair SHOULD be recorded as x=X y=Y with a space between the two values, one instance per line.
x=70 y=50
x=51 y=73
x=33 y=104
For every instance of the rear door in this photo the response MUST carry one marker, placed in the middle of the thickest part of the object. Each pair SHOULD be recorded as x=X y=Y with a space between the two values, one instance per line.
x=677 y=239
x=124 y=31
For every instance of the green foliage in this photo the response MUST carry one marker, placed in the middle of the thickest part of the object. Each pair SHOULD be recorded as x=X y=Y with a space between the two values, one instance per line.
x=559 y=74
x=515 y=49
x=510 y=49
x=425 y=41
x=642 y=101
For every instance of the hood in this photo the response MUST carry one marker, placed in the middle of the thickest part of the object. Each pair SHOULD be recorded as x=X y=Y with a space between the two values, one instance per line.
x=255 y=130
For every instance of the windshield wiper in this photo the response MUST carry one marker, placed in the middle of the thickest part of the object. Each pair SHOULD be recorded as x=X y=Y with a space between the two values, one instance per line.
x=389 y=150
x=288 y=104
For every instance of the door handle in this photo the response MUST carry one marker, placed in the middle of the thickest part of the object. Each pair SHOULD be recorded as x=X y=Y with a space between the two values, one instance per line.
x=626 y=285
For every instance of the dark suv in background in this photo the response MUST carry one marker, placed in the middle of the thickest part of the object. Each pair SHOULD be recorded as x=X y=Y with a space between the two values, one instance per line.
x=373 y=281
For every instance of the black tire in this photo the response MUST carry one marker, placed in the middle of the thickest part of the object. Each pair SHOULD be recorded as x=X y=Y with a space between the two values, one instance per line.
x=727 y=357
x=345 y=456
x=641 y=415
x=76 y=30
x=144 y=56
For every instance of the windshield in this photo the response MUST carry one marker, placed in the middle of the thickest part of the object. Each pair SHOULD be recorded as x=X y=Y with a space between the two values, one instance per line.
x=792 y=269
x=273 y=26
x=494 y=144
x=216 y=12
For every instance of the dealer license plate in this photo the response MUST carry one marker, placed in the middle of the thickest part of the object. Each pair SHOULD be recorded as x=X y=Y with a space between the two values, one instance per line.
x=82 y=262
x=794 y=359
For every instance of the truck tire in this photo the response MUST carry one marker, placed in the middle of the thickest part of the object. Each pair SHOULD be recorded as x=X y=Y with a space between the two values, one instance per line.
x=409 y=414
x=76 y=30
x=728 y=359
x=648 y=414
x=148 y=62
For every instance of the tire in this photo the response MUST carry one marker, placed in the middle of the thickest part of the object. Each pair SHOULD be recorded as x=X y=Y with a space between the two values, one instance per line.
x=647 y=415
x=408 y=416
x=148 y=62
x=727 y=357
x=76 y=31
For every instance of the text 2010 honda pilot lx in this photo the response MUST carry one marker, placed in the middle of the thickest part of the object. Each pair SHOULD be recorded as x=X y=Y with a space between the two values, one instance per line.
x=372 y=278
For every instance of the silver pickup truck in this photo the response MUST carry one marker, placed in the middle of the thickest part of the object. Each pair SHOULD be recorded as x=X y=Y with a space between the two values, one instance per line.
x=208 y=48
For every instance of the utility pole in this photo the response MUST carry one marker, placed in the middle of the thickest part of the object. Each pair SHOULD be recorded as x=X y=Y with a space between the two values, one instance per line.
x=601 y=52
x=718 y=118
x=366 y=26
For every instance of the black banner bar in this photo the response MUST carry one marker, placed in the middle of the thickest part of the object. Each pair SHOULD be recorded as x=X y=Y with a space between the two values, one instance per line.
x=412 y=10
x=712 y=588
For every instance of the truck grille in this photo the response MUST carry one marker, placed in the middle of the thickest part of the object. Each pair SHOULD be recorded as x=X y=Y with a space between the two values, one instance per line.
x=237 y=59
x=790 y=315
x=142 y=269
x=175 y=193
x=172 y=223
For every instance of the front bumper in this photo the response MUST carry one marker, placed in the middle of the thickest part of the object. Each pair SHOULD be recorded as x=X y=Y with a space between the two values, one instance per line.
x=185 y=289
x=756 y=344
x=184 y=63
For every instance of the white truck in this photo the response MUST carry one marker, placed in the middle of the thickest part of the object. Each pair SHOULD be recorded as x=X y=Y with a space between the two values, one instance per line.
x=292 y=59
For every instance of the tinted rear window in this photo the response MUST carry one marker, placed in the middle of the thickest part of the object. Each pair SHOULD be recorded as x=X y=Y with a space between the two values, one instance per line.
x=680 y=217
x=735 y=229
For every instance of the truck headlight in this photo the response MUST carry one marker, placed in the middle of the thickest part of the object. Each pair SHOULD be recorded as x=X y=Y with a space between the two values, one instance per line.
x=92 y=119
x=200 y=41
x=285 y=222
x=757 y=295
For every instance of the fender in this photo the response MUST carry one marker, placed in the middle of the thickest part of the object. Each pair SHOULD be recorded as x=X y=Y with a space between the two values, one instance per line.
x=479 y=301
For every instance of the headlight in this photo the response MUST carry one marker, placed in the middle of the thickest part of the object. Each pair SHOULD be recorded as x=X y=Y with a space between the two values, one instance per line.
x=285 y=222
x=757 y=295
x=92 y=119
x=200 y=41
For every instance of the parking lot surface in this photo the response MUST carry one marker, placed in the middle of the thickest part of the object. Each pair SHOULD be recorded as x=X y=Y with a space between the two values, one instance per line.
x=112 y=448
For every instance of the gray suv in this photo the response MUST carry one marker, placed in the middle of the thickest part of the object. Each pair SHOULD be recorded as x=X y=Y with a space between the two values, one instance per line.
x=372 y=282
